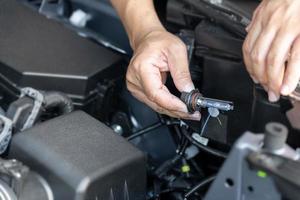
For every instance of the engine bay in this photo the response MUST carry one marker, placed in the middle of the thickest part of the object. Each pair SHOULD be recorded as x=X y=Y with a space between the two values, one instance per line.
x=71 y=130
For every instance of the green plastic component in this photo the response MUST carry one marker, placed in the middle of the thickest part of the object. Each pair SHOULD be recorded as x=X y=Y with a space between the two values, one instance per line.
x=262 y=174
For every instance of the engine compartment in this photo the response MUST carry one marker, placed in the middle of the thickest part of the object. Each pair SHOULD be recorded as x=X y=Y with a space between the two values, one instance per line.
x=74 y=153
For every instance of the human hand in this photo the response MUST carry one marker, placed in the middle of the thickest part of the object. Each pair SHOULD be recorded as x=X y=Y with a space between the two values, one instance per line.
x=272 y=47
x=157 y=53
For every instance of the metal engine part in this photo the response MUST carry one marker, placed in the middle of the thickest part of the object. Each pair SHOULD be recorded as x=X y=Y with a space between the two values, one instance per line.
x=17 y=182
x=245 y=176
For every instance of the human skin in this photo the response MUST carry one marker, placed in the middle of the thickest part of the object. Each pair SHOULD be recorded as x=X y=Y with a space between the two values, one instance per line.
x=272 y=47
x=271 y=53
x=156 y=53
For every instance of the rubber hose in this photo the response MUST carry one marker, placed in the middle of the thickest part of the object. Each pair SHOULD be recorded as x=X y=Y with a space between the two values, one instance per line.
x=58 y=100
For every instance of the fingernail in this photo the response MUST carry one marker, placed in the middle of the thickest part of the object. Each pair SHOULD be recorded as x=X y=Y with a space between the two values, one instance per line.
x=285 y=90
x=255 y=80
x=189 y=87
x=272 y=96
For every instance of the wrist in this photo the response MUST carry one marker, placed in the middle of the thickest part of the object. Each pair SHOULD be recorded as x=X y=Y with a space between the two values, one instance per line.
x=140 y=22
x=140 y=35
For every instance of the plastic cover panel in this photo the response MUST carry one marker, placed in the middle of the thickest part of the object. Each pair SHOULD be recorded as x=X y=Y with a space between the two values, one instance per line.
x=81 y=158
x=42 y=53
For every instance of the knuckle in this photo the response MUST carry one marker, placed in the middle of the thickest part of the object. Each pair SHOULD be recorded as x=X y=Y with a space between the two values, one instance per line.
x=182 y=45
x=273 y=83
x=295 y=55
x=263 y=80
x=128 y=74
x=272 y=59
x=256 y=58
x=292 y=22
x=135 y=64
x=129 y=77
x=178 y=45
x=289 y=30
x=274 y=18
x=183 y=76
x=271 y=8
x=246 y=48
x=152 y=95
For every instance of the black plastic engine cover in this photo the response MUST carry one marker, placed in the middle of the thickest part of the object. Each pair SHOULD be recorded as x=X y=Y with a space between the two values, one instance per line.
x=82 y=159
x=42 y=53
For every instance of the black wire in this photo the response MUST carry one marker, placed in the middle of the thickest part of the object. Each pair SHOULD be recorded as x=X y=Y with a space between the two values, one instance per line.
x=153 y=127
x=202 y=147
x=199 y=185
x=144 y=131
x=169 y=164
x=179 y=135
x=173 y=189
x=183 y=147
x=196 y=166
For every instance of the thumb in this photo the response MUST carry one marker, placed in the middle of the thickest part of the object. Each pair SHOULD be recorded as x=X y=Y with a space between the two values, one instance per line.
x=179 y=68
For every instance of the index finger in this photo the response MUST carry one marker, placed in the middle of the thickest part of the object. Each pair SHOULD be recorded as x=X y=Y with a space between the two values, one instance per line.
x=157 y=92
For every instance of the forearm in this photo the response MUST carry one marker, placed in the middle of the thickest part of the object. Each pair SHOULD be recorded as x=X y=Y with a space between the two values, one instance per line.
x=139 y=18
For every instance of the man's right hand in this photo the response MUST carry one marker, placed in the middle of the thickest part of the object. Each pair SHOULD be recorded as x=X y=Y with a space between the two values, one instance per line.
x=157 y=53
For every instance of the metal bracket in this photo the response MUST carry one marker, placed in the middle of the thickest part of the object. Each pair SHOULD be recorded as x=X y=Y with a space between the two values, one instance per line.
x=238 y=180
x=38 y=101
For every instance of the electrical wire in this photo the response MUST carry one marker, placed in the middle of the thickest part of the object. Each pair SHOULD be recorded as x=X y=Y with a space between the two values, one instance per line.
x=184 y=133
x=169 y=164
x=198 y=186
x=204 y=126
x=153 y=127
x=202 y=147
x=144 y=131
x=184 y=141
x=179 y=136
